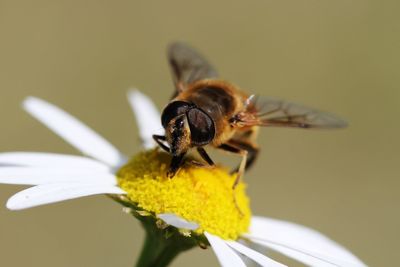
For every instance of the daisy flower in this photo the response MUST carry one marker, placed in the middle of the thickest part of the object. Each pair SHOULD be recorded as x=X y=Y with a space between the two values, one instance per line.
x=195 y=208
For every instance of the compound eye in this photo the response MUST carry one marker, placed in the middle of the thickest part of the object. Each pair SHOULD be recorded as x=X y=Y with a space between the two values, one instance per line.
x=173 y=110
x=202 y=129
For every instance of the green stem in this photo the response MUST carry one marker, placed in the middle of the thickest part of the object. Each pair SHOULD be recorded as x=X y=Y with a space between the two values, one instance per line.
x=161 y=246
x=163 y=243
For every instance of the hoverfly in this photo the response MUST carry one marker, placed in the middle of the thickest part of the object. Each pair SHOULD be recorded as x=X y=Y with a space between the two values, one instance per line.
x=206 y=110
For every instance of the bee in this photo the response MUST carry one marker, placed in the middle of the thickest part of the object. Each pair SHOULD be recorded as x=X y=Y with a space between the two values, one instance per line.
x=208 y=111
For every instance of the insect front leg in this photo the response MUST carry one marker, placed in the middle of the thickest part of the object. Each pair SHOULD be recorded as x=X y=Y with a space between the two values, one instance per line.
x=160 y=139
x=205 y=156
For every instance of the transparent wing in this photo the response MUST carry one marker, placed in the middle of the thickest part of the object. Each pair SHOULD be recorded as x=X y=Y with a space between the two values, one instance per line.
x=188 y=65
x=275 y=112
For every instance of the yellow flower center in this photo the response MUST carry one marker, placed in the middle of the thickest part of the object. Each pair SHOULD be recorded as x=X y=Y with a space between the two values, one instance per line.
x=203 y=195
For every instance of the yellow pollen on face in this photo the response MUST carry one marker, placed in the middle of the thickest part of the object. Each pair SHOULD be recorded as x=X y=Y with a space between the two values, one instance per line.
x=203 y=195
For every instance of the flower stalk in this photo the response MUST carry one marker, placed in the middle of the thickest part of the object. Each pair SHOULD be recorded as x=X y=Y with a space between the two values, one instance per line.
x=162 y=242
x=161 y=246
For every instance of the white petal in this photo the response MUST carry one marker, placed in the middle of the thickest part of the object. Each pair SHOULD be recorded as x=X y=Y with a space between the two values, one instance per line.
x=226 y=256
x=307 y=257
x=177 y=221
x=51 y=193
x=300 y=243
x=36 y=159
x=41 y=175
x=73 y=131
x=254 y=255
x=147 y=116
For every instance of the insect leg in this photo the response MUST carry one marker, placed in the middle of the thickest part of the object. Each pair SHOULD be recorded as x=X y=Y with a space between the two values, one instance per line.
x=251 y=149
x=159 y=140
x=236 y=150
x=205 y=156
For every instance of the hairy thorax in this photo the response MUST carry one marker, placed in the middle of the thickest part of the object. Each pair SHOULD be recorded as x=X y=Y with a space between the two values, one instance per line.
x=220 y=100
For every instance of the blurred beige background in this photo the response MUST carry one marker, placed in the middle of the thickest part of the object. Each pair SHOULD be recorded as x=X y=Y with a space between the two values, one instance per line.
x=341 y=56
